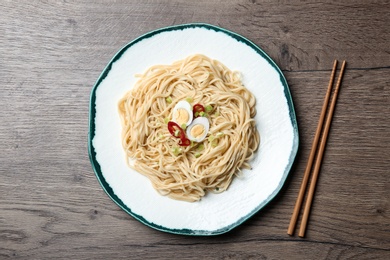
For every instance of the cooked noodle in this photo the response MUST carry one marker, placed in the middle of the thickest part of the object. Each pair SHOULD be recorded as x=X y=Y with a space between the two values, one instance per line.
x=148 y=143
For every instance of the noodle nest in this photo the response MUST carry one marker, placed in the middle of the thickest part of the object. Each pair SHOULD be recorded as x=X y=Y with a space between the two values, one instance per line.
x=189 y=172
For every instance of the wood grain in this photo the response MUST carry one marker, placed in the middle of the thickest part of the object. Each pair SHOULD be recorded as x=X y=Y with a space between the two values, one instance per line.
x=52 y=52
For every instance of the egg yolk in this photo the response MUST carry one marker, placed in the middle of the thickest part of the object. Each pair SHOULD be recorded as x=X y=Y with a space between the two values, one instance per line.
x=197 y=131
x=182 y=116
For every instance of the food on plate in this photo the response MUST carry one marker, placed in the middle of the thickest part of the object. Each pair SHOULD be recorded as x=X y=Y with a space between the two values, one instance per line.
x=189 y=127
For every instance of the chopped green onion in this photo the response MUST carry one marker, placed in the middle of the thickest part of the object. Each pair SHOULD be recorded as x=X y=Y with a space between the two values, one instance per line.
x=211 y=138
x=216 y=113
x=176 y=151
x=189 y=99
x=166 y=120
x=177 y=133
x=196 y=114
x=169 y=100
x=219 y=134
x=208 y=108
x=183 y=126
x=197 y=155
x=160 y=136
x=214 y=143
x=201 y=147
x=202 y=113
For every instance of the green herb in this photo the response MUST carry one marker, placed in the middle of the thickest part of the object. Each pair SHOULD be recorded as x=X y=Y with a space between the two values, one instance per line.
x=197 y=155
x=189 y=99
x=176 y=151
x=166 y=120
x=177 y=133
x=214 y=143
x=196 y=114
x=216 y=113
x=201 y=147
x=219 y=134
x=211 y=138
x=183 y=126
x=208 y=108
x=169 y=100
x=202 y=113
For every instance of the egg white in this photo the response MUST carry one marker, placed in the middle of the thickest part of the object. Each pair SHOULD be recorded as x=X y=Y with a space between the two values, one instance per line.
x=198 y=121
x=186 y=106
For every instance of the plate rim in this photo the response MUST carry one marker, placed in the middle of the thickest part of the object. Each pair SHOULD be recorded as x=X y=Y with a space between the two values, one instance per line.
x=91 y=133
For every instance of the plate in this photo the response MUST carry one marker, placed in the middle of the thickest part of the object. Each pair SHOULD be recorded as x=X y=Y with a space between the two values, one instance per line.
x=215 y=213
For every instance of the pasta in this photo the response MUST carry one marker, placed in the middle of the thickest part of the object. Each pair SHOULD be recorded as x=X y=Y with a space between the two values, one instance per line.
x=188 y=172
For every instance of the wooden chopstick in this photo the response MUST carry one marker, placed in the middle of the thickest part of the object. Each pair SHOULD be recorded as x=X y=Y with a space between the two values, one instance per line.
x=306 y=175
x=305 y=179
x=319 y=155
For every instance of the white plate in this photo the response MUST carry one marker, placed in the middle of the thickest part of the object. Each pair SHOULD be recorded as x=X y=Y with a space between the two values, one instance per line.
x=215 y=213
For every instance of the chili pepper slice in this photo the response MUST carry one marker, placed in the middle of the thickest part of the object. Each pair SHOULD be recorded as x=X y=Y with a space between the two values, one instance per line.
x=184 y=141
x=173 y=127
x=197 y=109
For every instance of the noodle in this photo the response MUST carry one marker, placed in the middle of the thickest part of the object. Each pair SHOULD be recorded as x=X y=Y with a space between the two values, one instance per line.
x=189 y=171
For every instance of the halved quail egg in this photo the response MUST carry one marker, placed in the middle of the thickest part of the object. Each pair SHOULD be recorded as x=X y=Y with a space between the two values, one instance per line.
x=182 y=113
x=198 y=129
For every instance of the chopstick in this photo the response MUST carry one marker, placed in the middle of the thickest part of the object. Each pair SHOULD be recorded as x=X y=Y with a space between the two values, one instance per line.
x=305 y=179
x=309 y=199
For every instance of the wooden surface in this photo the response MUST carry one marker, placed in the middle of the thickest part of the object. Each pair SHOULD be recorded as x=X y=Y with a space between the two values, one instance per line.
x=52 y=52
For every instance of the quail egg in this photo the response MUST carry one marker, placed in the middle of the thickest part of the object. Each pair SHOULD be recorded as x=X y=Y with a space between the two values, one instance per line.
x=198 y=129
x=182 y=113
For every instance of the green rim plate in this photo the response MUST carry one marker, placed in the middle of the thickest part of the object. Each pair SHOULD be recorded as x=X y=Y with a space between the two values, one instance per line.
x=92 y=112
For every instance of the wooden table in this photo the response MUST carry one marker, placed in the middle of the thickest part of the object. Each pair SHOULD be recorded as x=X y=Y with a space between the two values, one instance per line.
x=52 y=52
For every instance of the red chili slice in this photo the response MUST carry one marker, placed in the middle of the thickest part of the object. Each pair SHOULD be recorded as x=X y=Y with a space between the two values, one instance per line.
x=172 y=127
x=197 y=109
x=184 y=141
